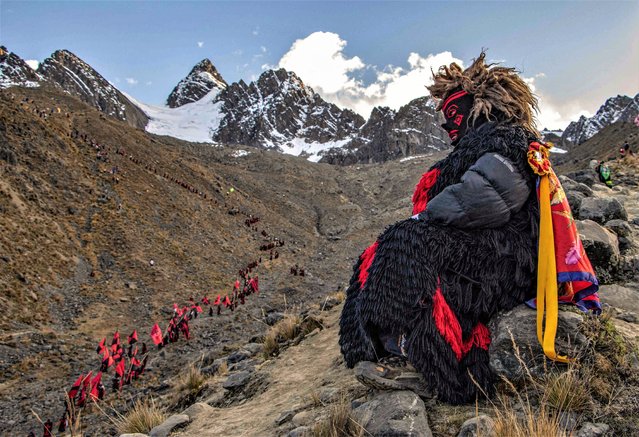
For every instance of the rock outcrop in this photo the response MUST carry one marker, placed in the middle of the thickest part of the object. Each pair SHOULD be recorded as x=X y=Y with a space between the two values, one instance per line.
x=68 y=72
x=14 y=71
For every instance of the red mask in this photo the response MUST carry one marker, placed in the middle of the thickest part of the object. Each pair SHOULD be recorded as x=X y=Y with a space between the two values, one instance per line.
x=456 y=110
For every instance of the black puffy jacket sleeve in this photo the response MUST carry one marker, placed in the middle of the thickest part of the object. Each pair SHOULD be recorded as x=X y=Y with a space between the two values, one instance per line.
x=489 y=193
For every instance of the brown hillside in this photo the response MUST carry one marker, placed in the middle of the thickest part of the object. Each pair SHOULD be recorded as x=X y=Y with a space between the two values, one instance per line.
x=76 y=241
x=603 y=146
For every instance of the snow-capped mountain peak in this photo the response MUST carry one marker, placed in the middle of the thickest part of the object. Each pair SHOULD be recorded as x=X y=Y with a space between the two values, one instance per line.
x=202 y=79
x=618 y=108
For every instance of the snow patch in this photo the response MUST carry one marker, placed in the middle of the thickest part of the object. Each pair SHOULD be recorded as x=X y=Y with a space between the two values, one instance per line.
x=195 y=122
x=314 y=150
x=239 y=153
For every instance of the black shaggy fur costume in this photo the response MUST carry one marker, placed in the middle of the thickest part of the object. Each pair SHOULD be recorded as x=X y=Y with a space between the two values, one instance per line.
x=479 y=272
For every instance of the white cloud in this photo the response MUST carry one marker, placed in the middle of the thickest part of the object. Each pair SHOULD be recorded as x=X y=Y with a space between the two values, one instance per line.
x=553 y=114
x=33 y=63
x=131 y=81
x=319 y=60
x=263 y=49
x=149 y=83
x=256 y=31
x=200 y=44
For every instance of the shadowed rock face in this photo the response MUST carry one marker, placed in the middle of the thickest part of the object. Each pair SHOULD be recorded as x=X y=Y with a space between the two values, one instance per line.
x=389 y=134
x=70 y=73
x=202 y=79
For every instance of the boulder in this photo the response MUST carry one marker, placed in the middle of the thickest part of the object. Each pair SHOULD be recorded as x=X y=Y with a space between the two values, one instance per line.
x=481 y=425
x=586 y=177
x=238 y=356
x=593 y=430
x=237 y=380
x=602 y=209
x=300 y=431
x=518 y=327
x=570 y=185
x=574 y=201
x=167 y=427
x=602 y=247
x=624 y=232
x=394 y=413
x=197 y=410
x=626 y=298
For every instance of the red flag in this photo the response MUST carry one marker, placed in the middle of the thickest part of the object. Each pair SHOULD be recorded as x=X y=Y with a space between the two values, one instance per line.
x=198 y=308
x=156 y=334
x=101 y=346
x=94 y=385
x=75 y=387
x=236 y=286
x=206 y=301
x=227 y=301
x=86 y=383
x=218 y=300
x=135 y=362
x=107 y=361
x=133 y=338
x=116 y=338
x=119 y=369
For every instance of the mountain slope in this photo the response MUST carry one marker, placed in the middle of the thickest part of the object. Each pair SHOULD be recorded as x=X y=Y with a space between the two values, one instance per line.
x=81 y=225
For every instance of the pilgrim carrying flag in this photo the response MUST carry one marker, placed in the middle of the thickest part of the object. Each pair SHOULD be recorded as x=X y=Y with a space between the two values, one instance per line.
x=101 y=346
x=94 y=386
x=156 y=334
x=75 y=388
x=133 y=338
x=564 y=272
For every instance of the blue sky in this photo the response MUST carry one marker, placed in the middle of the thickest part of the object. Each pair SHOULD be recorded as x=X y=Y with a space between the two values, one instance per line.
x=576 y=54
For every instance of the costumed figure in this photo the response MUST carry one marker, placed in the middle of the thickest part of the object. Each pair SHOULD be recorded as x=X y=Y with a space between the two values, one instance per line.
x=429 y=285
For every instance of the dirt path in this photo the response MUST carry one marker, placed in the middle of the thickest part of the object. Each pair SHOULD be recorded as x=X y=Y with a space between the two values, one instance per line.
x=294 y=375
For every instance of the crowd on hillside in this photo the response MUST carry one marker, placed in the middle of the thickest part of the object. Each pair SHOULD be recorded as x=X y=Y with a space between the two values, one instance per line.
x=129 y=361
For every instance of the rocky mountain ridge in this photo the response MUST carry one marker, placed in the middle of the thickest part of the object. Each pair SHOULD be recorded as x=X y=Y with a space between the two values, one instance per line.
x=65 y=70
x=615 y=109
x=275 y=111
x=14 y=71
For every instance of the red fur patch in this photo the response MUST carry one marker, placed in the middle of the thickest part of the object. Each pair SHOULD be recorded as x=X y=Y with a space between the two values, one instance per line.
x=449 y=328
x=367 y=258
x=420 y=196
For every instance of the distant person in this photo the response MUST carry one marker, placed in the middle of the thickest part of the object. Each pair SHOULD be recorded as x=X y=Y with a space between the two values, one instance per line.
x=604 y=174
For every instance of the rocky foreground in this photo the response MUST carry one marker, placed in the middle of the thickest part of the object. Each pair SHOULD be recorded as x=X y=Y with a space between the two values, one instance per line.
x=306 y=389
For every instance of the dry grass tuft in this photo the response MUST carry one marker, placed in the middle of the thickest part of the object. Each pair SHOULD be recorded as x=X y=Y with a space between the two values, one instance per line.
x=142 y=418
x=286 y=329
x=567 y=391
x=531 y=422
x=314 y=399
x=190 y=382
x=339 y=422
x=223 y=369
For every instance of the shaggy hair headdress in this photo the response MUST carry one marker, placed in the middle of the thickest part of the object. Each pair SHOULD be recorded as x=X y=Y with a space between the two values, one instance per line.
x=495 y=90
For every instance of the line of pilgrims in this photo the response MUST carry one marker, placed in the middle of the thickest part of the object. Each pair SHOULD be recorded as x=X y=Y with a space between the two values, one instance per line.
x=129 y=362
